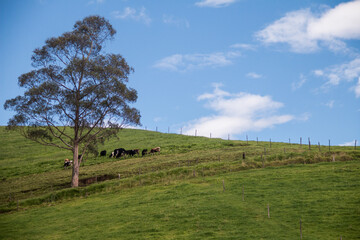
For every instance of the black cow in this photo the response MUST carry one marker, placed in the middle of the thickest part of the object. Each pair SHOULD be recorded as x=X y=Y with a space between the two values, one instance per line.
x=144 y=152
x=103 y=153
x=67 y=163
x=117 y=153
x=130 y=152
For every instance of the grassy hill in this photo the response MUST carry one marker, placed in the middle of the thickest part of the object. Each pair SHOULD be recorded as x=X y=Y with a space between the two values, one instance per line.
x=197 y=188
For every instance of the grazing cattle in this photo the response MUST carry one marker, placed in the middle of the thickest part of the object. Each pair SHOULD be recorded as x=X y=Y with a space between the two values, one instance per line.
x=137 y=151
x=103 y=153
x=130 y=152
x=119 y=152
x=144 y=152
x=155 y=150
x=67 y=163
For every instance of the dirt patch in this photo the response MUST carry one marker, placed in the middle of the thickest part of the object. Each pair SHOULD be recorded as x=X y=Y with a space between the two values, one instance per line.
x=91 y=180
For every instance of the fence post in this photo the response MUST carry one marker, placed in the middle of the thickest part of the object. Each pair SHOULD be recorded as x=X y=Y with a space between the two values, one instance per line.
x=223 y=186
x=300 y=141
x=329 y=145
x=257 y=140
x=355 y=144
x=309 y=144
x=270 y=142
x=247 y=140
x=268 y=211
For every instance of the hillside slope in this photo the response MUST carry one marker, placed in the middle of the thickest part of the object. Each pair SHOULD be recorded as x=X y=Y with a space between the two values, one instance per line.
x=197 y=188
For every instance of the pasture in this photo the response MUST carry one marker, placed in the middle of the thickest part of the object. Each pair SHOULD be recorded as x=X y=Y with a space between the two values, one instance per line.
x=196 y=188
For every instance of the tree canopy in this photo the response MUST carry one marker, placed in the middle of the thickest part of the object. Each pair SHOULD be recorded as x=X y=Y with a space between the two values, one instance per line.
x=75 y=85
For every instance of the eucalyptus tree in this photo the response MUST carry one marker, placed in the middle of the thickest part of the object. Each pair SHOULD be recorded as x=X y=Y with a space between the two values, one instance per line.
x=77 y=95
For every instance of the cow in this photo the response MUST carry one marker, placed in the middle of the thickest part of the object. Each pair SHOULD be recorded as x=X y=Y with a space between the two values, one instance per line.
x=137 y=151
x=130 y=152
x=155 y=150
x=117 y=153
x=67 y=163
x=103 y=153
x=144 y=152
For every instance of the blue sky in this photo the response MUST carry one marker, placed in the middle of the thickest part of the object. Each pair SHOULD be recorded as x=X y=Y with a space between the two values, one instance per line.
x=266 y=69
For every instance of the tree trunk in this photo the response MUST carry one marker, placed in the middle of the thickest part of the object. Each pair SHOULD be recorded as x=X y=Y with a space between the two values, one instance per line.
x=75 y=172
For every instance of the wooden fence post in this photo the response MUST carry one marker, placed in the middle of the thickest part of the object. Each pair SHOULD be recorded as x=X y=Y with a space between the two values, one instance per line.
x=309 y=144
x=355 y=144
x=300 y=141
x=268 y=211
x=329 y=145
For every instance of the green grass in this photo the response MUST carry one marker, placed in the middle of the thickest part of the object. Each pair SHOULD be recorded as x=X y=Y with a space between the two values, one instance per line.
x=325 y=196
x=178 y=194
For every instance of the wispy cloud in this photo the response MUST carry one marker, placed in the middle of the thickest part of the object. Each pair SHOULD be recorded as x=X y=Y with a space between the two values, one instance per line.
x=244 y=46
x=254 y=75
x=236 y=113
x=298 y=84
x=177 y=22
x=345 y=72
x=187 y=62
x=215 y=3
x=330 y=104
x=133 y=14
x=305 y=31
x=348 y=144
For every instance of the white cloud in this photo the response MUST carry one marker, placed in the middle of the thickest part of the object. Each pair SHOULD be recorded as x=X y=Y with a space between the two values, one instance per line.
x=345 y=72
x=178 y=22
x=244 y=46
x=236 y=114
x=254 y=75
x=304 y=30
x=96 y=2
x=186 y=62
x=131 y=13
x=330 y=104
x=357 y=88
x=214 y=3
x=340 y=22
x=298 y=84
x=348 y=144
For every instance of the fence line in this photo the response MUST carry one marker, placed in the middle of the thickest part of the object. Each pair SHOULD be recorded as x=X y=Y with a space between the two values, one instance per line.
x=196 y=134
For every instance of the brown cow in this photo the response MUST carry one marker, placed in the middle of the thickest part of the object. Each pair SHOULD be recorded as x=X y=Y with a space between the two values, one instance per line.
x=155 y=150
